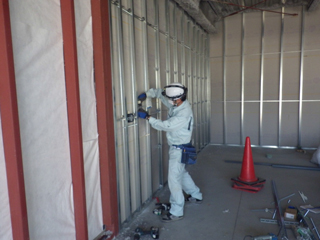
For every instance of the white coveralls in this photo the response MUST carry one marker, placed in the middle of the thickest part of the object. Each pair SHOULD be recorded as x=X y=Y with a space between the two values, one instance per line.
x=179 y=131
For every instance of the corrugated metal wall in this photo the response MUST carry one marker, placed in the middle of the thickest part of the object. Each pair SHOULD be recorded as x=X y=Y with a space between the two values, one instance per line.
x=265 y=79
x=154 y=43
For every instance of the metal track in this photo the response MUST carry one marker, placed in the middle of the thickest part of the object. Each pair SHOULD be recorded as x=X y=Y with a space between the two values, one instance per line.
x=276 y=165
x=274 y=221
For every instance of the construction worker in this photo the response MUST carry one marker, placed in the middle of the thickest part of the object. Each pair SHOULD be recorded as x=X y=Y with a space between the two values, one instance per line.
x=179 y=131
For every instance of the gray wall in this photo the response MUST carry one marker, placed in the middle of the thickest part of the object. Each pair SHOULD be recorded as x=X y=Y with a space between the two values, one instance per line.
x=265 y=70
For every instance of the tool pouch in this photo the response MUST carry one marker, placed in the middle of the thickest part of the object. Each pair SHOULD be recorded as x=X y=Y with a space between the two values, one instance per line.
x=189 y=154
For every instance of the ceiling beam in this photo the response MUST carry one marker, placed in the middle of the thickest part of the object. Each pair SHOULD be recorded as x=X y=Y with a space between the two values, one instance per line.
x=192 y=7
x=312 y=5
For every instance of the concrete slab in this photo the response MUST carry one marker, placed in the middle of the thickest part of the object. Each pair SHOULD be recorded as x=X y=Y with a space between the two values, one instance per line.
x=226 y=213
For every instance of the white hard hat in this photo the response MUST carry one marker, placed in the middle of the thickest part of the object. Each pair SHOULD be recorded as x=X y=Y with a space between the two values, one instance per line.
x=175 y=91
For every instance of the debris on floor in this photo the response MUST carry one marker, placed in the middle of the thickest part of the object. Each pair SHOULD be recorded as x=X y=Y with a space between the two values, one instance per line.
x=304 y=197
x=300 y=150
x=296 y=218
x=311 y=208
x=269 y=156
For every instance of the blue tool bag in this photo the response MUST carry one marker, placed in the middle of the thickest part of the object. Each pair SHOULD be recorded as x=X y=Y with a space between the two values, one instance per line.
x=189 y=154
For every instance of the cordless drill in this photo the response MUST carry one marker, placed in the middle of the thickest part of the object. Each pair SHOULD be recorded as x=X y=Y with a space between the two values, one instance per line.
x=161 y=207
x=153 y=232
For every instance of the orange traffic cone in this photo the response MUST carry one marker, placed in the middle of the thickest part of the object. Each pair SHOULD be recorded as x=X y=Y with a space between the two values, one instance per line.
x=247 y=170
x=247 y=181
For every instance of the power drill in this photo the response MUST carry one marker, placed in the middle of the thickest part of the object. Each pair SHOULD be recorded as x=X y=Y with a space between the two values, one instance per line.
x=154 y=232
x=161 y=207
x=266 y=237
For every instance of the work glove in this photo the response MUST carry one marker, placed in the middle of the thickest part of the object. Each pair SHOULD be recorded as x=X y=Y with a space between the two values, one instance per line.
x=142 y=97
x=143 y=113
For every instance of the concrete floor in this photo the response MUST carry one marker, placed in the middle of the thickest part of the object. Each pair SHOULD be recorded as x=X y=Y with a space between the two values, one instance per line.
x=226 y=212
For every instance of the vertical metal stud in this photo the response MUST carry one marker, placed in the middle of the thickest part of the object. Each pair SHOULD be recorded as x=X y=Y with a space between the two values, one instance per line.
x=123 y=109
x=197 y=86
x=208 y=89
x=146 y=87
x=189 y=53
x=194 y=84
x=167 y=14
x=175 y=45
x=301 y=74
x=183 y=50
x=114 y=55
x=224 y=83
x=136 y=163
x=202 y=90
x=261 y=77
x=281 y=77
x=242 y=79
x=205 y=101
x=157 y=77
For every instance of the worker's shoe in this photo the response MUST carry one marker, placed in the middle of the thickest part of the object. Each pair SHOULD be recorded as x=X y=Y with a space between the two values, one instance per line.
x=190 y=199
x=171 y=218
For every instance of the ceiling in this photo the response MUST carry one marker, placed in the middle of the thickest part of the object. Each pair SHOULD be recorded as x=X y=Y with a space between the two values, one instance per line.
x=208 y=12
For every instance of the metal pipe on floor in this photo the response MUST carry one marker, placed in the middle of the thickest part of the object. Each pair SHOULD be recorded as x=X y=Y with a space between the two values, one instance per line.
x=276 y=165
x=315 y=228
x=282 y=230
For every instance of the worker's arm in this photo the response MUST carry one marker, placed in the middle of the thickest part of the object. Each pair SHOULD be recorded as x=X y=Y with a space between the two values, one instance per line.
x=157 y=93
x=172 y=124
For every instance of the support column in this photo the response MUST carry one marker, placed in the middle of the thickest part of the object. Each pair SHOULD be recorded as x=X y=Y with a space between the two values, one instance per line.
x=103 y=80
x=11 y=129
x=74 y=117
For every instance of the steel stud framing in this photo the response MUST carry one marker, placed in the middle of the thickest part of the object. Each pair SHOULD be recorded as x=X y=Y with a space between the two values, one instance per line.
x=186 y=56
x=281 y=93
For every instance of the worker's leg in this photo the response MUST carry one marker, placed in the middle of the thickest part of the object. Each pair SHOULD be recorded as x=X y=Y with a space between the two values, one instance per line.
x=189 y=186
x=176 y=170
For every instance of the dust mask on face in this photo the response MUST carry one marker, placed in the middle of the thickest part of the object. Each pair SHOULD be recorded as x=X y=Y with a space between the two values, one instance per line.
x=174 y=102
